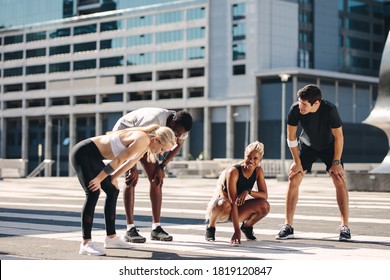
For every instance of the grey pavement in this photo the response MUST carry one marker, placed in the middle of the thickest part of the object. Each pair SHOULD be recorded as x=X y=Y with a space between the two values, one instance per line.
x=40 y=219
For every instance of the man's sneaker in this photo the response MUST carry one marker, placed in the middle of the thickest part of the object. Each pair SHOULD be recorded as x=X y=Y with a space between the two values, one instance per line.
x=286 y=232
x=345 y=234
x=132 y=235
x=248 y=231
x=91 y=249
x=116 y=243
x=159 y=234
x=210 y=234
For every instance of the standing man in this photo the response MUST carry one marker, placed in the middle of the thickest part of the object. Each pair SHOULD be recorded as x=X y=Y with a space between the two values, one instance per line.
x=321 y=138
x=181 y=123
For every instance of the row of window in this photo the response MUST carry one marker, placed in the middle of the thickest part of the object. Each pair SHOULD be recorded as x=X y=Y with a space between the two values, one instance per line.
x=141 y=21
x=361 y=26
x=360 y=44
x=132 y=59
x=114 y=80
x=135 y=40
x=106 y=98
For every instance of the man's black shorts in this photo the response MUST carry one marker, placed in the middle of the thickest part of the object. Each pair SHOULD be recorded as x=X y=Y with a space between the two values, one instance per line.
x=308 y=156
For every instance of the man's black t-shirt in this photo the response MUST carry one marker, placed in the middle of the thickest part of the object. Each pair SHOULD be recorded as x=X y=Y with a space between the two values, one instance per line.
x=317 y=127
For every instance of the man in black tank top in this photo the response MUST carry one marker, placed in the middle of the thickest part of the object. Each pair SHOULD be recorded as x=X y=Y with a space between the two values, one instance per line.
x=321 y=139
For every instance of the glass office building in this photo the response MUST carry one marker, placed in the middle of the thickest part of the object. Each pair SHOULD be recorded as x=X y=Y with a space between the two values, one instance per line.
x=70 y=69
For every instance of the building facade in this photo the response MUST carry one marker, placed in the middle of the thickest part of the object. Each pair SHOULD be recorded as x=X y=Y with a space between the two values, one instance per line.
x=71 y=76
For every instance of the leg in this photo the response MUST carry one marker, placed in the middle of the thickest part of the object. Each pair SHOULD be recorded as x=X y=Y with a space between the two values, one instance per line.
x=155 y=192
x=220 y=212
x=253 y=211
x=342 y=198
x=131 y=180
x=292 y=198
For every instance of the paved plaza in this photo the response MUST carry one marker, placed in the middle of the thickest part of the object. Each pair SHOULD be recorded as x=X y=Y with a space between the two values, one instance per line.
x=40 y=219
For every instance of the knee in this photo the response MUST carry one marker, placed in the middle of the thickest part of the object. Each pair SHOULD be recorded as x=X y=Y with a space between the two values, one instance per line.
x=264 y=207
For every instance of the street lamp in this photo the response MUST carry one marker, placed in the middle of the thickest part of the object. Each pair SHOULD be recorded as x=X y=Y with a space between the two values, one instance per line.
x=283 y=176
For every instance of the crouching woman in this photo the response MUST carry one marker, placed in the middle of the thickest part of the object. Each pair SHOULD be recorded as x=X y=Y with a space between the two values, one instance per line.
x=234 y=199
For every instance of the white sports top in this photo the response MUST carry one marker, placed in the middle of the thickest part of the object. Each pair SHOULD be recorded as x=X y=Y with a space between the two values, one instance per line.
x=116 y=145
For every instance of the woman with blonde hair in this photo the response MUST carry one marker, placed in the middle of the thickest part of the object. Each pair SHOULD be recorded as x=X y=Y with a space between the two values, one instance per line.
x=124 y=148
x=230 y=202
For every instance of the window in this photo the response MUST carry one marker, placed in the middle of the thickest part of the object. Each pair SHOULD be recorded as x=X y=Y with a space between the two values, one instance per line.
x=35 y=103
x=139 y=21
x=358 y=25
x=59 y=50
x=196 y=13
x=111 y=62
x=13 y=55
x=195 y=33
x=59 y=101
x=357 y=7
x=36 y=36
x=169 y=36
x=59 y=67
x=195 y=72
x=17 y=71
x=35 y=52
x=36 y=69
x=239 y=51
x=111 y=43
x=87 y=99
x=170 y=93
x=13 y=87
x=170 y=74
x=239 y=31
x=35 y=86
x=84 y=29
x=112 y=97
x=358 y=44
x=84 y=64
x=169 y=17
x=195 y=53
x=139 y=95
x=139 y=58
x=238 y=11
x=58 y=33
x=140 y=77
x=15 y=39
x=110 y=25
x=195 y=92
x=169 y=56
x=138 y=40
x=13 y=104
x=238 y=69
x=83 y=47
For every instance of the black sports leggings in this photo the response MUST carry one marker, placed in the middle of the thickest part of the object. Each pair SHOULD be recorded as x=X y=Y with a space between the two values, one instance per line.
x=88 y=162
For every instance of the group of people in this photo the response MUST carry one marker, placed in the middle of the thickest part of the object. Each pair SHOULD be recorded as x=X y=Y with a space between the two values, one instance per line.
x=141 y=135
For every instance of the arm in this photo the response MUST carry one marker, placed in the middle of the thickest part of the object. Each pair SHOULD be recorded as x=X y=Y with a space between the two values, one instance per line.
x=125 y=160
x=338 y=151
x=296 y=167
x=262 y=191
x=231 y=180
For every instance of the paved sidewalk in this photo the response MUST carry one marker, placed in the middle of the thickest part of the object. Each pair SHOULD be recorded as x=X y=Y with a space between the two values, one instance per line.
x=40 y=219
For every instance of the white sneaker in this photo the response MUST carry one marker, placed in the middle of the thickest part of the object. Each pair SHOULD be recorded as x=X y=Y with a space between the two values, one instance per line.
x=91 y=249
x=116 y=243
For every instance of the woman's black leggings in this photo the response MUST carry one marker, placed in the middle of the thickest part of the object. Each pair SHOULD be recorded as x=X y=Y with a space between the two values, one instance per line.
x=88 y=162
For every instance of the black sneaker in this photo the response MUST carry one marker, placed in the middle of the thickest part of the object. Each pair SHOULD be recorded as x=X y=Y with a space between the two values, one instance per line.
x=132 y=236
x=286 y=232
x=210 y=234
x=159 y=234
x=345 y=234
x=248 y=231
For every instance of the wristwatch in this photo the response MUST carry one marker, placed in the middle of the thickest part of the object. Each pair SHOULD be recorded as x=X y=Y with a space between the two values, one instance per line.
x=163 y=166
x=336 y=162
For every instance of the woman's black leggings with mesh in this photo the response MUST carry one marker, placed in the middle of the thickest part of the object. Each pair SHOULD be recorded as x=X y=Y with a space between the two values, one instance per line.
x=88 y=162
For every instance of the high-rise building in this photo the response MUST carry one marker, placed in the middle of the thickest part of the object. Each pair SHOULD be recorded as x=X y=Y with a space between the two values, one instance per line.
x=70 y=69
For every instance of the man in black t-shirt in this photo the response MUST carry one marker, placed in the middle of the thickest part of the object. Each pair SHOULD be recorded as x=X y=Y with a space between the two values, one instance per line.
x=321 y=138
